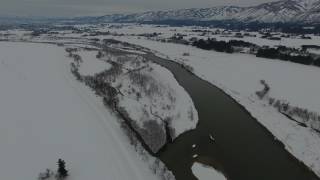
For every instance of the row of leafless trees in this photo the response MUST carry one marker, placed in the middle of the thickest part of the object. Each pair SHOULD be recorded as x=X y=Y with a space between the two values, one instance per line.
x=75 y=71
x=302 y=115
x=77 y=60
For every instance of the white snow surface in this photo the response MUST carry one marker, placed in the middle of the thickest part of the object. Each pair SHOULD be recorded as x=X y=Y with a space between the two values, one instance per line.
x=46 y=115
x=203 y=172
x=239 y=75
x=91 y=64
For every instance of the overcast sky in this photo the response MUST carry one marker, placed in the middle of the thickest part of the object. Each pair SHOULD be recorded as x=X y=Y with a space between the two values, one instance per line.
x=63 y=8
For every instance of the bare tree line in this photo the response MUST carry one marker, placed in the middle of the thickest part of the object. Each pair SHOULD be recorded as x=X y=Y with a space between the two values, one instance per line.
x=302 y=115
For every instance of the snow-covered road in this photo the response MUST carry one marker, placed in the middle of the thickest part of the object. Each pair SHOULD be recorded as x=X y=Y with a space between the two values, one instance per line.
x=46 y=115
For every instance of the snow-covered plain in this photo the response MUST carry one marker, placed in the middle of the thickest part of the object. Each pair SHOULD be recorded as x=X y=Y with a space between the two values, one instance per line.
x=203 y=172
x=46 y=115
x=165 y=32
x=239 y=76
x=90 y=64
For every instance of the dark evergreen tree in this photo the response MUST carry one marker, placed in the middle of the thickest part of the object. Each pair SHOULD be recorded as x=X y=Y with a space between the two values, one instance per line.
x=62 y=173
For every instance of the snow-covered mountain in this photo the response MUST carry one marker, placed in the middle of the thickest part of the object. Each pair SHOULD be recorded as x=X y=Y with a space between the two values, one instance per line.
x=279 y=11
x=222 y=12
x=313 y=14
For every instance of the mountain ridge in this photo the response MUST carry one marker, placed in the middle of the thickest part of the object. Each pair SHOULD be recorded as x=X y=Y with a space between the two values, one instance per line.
x=280 y=11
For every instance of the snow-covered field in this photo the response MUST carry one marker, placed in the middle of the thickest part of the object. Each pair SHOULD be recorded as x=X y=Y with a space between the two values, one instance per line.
x=91 y=64
x=239 y=76
x=198 y=32
x=47 y=115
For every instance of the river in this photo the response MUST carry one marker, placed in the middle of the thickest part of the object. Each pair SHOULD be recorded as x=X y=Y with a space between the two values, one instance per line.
x=240 y=147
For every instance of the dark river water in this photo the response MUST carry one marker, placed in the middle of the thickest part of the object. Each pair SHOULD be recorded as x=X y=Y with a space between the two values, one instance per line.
x=242 y=149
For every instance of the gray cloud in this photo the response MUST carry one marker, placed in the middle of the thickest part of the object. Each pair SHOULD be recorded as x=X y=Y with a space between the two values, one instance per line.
x=60 y=8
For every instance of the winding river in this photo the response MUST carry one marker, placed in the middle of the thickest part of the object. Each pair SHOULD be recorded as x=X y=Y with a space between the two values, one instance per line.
x=226 y=137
